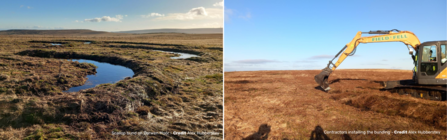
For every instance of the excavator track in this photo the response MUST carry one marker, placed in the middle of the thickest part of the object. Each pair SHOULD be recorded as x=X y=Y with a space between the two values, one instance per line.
x=409 y=87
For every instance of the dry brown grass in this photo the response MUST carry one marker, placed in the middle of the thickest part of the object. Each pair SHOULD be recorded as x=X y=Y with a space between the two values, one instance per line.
x=289 y=102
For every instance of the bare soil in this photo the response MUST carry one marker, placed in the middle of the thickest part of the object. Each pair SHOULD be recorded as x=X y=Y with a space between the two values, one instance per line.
x=289 y=105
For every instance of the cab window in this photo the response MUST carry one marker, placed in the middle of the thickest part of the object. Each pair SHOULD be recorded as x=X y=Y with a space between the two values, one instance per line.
x=429 y=54
x=443 y=54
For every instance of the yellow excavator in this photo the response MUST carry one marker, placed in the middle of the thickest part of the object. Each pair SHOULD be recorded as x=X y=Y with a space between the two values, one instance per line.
x=429 y=74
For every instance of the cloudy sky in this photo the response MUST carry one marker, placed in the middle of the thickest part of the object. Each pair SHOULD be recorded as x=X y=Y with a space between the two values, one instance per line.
x=302 y=35
x=111 y=15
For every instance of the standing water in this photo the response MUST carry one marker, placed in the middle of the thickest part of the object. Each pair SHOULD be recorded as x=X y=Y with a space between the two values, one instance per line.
x=106 y=73
x=182 y=55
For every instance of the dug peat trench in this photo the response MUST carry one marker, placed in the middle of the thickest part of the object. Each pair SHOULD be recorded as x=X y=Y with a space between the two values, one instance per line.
x=162 y=96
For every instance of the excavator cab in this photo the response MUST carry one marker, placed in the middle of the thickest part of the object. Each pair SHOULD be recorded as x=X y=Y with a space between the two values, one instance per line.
x=431 y=68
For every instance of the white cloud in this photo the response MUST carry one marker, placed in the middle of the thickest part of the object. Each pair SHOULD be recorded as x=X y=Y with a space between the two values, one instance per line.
x=153 y=15
x=117 y=18
x=28 y=7
x=199 y=11
x=21 y=6
x=195 y=13
x=219 y=4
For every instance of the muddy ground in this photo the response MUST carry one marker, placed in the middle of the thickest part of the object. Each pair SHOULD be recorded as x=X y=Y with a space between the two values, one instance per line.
x=164 y=95
x=289 y=105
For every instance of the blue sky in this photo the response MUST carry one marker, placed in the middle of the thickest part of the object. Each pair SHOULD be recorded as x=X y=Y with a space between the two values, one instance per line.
x=110 y=15
x=302 y=35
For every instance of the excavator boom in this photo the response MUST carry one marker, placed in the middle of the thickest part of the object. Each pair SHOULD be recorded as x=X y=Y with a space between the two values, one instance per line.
x=406 y=37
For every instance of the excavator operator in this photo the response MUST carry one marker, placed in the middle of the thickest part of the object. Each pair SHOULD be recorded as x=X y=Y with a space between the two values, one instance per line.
x=432 y=59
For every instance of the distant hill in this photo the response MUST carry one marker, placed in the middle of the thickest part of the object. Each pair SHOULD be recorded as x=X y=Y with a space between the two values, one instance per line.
x=50 y=32
x=186 y=31
x=91 y=32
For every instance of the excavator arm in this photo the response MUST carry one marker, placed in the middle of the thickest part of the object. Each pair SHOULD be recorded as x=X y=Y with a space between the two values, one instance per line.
x=407 y=37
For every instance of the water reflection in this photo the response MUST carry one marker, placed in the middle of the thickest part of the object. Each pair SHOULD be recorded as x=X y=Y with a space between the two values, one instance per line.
x=182 y=55
x=106 y=73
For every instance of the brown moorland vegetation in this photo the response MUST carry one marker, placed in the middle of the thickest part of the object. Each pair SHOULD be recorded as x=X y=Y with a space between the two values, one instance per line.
x=164 y=95
x=289 y=105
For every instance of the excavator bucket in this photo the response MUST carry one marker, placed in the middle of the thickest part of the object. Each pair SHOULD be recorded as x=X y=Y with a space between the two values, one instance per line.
x=322 y=78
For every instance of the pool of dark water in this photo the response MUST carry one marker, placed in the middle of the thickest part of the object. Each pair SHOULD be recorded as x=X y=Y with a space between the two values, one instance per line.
x=106 y=73
x=182 y=55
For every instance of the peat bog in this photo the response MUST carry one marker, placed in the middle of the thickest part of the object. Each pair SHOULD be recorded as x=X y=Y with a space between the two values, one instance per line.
x=162 y=94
